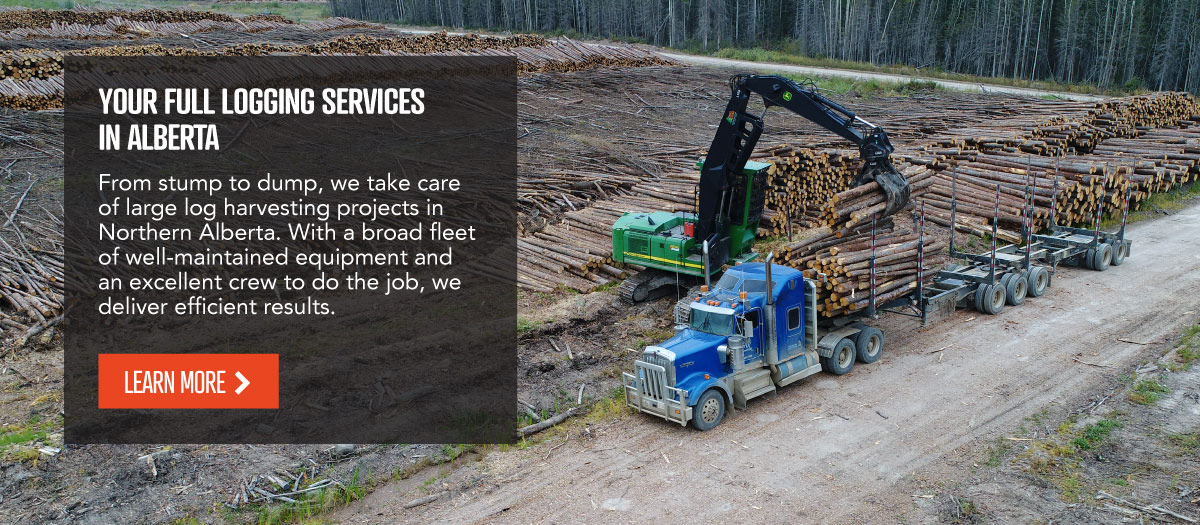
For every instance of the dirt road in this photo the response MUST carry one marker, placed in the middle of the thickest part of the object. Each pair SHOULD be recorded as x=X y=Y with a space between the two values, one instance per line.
x=867 y=75
x=854 y=448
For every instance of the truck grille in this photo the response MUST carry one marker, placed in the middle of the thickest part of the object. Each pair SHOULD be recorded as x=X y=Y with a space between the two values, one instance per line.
x=663 y=361
x=652 y=380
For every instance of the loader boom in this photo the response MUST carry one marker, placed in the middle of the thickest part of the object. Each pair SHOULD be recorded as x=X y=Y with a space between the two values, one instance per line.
x=732 y=190
x=738 y=133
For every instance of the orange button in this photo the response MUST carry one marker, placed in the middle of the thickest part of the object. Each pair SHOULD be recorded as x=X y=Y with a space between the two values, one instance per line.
x=189 y=381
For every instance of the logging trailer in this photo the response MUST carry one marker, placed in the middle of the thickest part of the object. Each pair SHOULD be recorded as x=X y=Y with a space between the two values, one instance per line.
x=757 y=329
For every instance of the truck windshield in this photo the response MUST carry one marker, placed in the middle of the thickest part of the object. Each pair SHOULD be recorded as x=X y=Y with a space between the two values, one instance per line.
x=728 y=282
x=712 y=322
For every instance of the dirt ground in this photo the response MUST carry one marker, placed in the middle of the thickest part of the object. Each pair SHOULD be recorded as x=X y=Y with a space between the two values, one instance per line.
x=897 y=441
x=866 y=447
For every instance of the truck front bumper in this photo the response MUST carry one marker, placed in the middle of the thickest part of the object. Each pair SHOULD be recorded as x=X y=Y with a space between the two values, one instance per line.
x=647 y=391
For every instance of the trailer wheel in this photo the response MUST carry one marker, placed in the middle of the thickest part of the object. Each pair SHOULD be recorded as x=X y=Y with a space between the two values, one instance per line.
x=1016 y=288
x=869 y=344
x=709 y=411
x=993 y=299
x=1102 y=257
x=1039 y=281
x=1119 y=254
x=843 y=358
x=979 y=297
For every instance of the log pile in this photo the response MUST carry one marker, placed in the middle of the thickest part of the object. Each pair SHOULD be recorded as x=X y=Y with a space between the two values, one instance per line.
x=11 y=19
x=842 y=257
x=856 y=206
x=20 y=71
x=576 y=253
x=23 y=65
x=1140 y=143
x=120 y=27
x=799 y=181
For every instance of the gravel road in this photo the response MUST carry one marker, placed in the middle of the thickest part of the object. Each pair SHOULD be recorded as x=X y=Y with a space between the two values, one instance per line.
x=866 y=75
x=854 y=448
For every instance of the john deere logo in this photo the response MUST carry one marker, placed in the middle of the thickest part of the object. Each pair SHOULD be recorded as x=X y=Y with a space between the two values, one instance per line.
x=787 y=95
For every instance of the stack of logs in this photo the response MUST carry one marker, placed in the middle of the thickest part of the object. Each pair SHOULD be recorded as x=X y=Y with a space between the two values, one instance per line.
x=577 y=252
x=839 y=263
x=22 y=73
x=799 y=180
x=125 y=29
x=1077 y=185
x=34 y=18
x=1126 y=117
x=27 y=64
x=856 y=206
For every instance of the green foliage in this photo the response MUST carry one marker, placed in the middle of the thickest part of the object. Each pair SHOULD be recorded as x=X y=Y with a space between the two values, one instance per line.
x=16 y=441
x=1188 y=442
x=967 y=507
x=311 y=504
x=996 y=453
x=1093 y=435
x=1147 y=392
x=1154 y=205
x=867 y=88
x=525 y=325
x=1188 y=351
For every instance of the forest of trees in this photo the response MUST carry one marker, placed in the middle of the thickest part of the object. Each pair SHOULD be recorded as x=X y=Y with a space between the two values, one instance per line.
x=1151 y=44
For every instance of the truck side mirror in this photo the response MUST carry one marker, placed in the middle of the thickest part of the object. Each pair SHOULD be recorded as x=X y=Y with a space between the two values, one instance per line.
x=748 y=328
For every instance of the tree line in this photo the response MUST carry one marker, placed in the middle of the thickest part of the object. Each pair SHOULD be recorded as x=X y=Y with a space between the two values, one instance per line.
x=1151 y=44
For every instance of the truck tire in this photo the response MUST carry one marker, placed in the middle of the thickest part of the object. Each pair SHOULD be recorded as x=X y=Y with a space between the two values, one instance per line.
x=709 y=411
x=843 y=358
x=1003 y=280
x=869 y=344
x=1039 y=281
x=993 y=299
x=1120 y=252
x=979 y=297
x=1102 y=257
x=1016 y=288
x=1085 y=259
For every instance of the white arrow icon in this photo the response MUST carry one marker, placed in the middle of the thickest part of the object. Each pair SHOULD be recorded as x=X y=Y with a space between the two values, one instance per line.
x=245 y=383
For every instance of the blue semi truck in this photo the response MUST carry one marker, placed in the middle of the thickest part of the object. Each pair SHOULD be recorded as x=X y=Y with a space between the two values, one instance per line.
x=754 y=331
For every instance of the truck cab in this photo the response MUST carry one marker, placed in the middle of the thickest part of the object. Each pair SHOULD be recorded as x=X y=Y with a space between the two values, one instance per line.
x=755 y=330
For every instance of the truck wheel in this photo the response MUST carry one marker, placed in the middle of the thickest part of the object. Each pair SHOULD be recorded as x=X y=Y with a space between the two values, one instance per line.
x=843 y=358
x=1016 y=288
x=709 y=411
x=1039 y=281
x=1102 y=257
x=869 y=344
x=1120 y=252
x=979 y=297
x=993 y=299
x=1085 y=259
